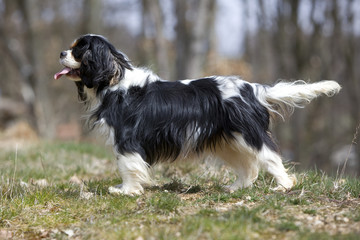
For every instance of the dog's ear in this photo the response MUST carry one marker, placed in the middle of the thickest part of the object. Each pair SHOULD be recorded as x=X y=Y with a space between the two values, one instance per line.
x=121 y=63
x=87 y=69
x=121 y=60
x=97 y=67
x=81 y=93
x=102 y=65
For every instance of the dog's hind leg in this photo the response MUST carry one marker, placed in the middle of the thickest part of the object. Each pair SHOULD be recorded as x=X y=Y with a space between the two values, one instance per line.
x=244 y=163
x=134 y=172
x=272 y=163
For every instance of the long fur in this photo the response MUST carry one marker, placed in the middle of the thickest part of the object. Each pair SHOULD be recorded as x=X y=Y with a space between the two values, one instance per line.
x=283 y=97
x=150 y=120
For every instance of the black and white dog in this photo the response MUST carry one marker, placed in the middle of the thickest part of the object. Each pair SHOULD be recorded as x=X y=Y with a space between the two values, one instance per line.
x=150 y=120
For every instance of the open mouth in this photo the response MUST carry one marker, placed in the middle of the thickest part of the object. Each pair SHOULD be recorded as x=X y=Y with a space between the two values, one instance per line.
x=69 y=72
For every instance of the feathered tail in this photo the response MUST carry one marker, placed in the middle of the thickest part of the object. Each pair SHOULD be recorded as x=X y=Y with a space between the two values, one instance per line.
x=283 y=97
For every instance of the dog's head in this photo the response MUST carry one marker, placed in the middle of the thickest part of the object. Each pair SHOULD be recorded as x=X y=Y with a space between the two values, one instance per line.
x=92 y=61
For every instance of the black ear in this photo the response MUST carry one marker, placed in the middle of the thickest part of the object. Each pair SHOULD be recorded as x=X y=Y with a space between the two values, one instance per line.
x=102 y=65
x=97 y=67
x=87 y=69
x=81 y=93
x=121 y=60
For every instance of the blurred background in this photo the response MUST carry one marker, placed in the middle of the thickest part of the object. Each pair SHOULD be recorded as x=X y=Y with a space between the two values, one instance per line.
x=261 y=40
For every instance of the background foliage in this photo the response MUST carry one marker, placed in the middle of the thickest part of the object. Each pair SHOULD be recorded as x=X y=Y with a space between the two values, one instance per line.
x=262 y=41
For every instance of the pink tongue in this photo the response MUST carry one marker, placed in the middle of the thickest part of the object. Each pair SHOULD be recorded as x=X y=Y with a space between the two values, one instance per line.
x=58 y=75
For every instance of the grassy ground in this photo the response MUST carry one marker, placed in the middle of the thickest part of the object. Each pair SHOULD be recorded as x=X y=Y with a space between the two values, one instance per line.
x=59 y=191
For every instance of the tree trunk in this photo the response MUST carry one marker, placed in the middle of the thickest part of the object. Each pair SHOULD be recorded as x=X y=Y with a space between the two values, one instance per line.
x=182 y=38
x=192 y=40
x=152 y=12
x=92 y=17
x=37 y=78
x=200 y=41
x=20 y=62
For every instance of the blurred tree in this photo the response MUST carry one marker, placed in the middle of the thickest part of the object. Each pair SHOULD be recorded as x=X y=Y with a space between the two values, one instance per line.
x=92 y=21
x=153 y=22
x=29 y=64
x=31 y=10
x=325 y=49
x=285 y=39
x=194 y=28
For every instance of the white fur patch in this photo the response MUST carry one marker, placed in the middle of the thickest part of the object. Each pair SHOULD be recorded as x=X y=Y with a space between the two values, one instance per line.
x=229 y=86
x=136 y=77
x=243 y=160
x=134 y=172
x=187 y=81
x=272 y=163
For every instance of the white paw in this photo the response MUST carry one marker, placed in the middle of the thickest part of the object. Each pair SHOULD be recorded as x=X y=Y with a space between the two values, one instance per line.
x=126 y=190
x=286 y=184
x=236 y=186
x=279 y=188
x=230 y=188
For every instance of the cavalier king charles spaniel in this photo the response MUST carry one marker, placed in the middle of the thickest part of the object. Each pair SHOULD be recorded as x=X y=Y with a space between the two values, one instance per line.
x=149 y=120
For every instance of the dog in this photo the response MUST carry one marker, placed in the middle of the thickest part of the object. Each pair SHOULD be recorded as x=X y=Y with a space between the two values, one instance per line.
x=149 y=120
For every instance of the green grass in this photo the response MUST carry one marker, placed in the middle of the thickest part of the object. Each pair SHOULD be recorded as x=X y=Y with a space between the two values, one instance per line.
x=186 y=203
x=164 y=203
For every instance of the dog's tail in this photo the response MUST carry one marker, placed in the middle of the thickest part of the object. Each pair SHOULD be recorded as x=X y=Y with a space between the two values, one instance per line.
x=283 y=97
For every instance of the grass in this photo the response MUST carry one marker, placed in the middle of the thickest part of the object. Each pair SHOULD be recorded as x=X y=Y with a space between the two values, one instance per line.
x=59 y=190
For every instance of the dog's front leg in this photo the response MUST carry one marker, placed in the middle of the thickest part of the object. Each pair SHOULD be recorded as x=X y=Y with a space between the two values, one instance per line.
x=134 y=172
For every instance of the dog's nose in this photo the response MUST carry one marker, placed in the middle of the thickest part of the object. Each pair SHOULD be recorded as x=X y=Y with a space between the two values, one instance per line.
x=63 y=54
